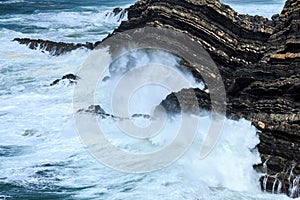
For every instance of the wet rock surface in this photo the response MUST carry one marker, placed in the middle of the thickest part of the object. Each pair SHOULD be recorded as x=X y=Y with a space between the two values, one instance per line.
x=281 y=175
x=54 y=48
x=259 y=62
x=117 y=12
x=187 y=100
x=95 y=109
x=98 y=110
x=72 y=79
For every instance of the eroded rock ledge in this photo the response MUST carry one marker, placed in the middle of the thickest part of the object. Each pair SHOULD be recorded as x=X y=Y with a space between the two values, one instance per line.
x=259 y=62
x=54 y=48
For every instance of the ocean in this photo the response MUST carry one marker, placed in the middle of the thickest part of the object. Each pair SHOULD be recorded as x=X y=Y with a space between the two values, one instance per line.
x=42 y=155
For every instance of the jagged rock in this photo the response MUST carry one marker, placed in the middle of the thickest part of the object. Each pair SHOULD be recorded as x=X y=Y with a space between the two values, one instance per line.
x=98 y=110
x=284 y=44
x=54 y=48
x=71 y=77
x=95 y=109
x=145 y=116
x=280 y=175
x=117 y=11
x=181 y=101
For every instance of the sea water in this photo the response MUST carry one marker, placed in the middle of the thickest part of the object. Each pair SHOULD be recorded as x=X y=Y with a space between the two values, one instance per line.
x=41 y=153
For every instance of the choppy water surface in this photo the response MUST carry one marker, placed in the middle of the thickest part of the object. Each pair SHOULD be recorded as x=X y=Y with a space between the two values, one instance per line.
x=41 y=155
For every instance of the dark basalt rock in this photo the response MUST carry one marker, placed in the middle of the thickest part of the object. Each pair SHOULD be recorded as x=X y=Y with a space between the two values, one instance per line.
x=71 y=77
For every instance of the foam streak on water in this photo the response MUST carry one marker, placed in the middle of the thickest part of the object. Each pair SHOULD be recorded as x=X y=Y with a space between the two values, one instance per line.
x=41 y=155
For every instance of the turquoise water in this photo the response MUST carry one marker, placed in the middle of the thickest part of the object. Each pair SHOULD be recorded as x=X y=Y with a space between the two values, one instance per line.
x=41 y=155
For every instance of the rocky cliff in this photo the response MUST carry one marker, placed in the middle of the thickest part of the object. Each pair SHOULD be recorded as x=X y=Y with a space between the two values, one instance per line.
x=259 y=62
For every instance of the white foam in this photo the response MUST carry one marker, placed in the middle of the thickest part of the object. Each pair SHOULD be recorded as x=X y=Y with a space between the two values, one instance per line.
x=68 y=26
x=226 y=173
x=11 y=1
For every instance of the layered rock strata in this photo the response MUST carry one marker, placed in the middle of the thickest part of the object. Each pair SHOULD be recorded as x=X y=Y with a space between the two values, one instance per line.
x=259 y=63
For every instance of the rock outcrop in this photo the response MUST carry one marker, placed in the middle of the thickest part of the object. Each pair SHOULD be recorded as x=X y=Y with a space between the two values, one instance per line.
x=70 y=77
x=54 y=48
x=117 y=12
x=173 y=106
x=99 y=111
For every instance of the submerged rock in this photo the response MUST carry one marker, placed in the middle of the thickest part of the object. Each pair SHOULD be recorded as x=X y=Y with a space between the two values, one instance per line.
x=94 y=109
x=70 y=77
x=98 y=110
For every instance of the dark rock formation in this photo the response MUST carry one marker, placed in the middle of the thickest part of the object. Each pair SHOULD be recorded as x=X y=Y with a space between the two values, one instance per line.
x=71 y=77
x=172 y=105
x=258 y=60
x=232 y=40
x=117 y=12
x=281 y=175
x=98 y=110
x=54 y=48
x=94 y=109
x=145 y=116
x=283 y=47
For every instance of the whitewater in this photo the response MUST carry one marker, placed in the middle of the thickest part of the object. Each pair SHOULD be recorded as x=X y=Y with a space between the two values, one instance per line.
x=42 y=156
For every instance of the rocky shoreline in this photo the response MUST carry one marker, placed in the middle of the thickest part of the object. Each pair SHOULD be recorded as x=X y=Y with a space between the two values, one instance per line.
x=259 y=62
